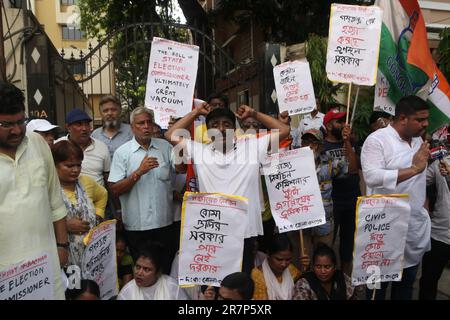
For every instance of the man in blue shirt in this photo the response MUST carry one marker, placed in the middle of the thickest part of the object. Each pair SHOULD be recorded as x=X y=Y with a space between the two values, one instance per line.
x=113 y=133
x=141 y=176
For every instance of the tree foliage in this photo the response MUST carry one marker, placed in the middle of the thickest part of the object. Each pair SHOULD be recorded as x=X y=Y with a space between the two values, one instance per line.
x=364 y=109
x=444 y=53
x=282 y=21
x=102 y=17
x=316 y=53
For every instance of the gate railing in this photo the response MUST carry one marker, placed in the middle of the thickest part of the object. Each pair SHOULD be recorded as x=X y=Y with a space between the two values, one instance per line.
x=214 y=63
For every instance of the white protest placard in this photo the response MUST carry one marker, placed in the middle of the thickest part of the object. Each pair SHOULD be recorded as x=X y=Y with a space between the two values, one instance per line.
x=212 y=237
x=295 y=91
x=172 y=72
x=353 y=44
x=293 y=189
x=162 y=118
x=31 y=279
x=99 y=260
x=381 y=100
x=382 y=225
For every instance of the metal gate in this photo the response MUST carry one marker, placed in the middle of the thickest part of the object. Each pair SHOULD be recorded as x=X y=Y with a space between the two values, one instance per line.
x=105 y=62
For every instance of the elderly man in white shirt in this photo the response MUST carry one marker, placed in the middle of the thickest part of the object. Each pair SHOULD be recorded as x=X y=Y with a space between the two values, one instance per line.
x=393 y=161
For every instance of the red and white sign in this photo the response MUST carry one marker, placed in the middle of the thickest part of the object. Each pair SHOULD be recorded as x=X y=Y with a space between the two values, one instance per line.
x=354 y=44
x=295 y=91
x=172 y=72
x=293 y=188
x=382 y=225
x=31 y=279
x=212 y=237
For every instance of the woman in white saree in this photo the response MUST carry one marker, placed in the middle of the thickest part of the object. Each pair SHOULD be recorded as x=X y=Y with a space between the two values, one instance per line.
x=149 y=282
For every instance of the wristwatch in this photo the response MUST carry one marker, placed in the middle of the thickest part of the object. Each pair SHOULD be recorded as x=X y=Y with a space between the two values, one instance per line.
x=63 y=245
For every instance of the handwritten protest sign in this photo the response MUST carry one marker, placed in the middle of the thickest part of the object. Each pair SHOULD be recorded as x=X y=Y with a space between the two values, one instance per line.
x=381 y=101
x=353 y=44
x=212 y=237
x=161 y=118
x=99 y=260
x=294 y=87
x=31 y=279
x=382 y=224
x=172 y=72
x=293 y=188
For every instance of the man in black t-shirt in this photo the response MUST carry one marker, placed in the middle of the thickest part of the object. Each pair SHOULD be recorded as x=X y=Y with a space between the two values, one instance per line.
x=346 y=190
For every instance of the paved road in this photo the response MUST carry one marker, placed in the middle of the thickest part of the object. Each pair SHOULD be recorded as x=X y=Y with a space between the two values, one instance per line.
x=443 y=287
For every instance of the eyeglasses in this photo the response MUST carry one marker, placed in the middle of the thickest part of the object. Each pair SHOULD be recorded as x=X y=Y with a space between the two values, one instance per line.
x=9 y=125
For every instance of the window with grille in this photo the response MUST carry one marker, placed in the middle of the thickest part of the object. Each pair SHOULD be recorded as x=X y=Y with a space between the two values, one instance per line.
x=68 y=2
x=71 y=33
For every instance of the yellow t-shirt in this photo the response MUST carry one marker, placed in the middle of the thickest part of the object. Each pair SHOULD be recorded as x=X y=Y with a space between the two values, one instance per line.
x=200 y=134
x=96 y=193
x=257 y=275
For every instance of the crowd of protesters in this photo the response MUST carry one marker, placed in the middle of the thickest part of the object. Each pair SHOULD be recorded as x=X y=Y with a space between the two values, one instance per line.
x=54 y=191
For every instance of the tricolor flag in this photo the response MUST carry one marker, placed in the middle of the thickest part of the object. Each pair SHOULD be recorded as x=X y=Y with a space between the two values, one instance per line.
x=191 y=178
x=406 y=66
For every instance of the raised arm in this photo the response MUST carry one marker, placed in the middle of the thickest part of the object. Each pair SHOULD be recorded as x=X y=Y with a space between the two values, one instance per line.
x=268 y=121
x=353 y=160
x=374 y=169
x=126 y=184
x=419 y=163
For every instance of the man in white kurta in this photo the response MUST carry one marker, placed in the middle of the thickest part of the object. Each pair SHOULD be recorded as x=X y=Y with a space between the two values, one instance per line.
x=393 y=161
x=32 y=211
x=30 y=201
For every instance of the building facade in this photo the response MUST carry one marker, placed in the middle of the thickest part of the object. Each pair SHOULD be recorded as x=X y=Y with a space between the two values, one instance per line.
x=60 y=20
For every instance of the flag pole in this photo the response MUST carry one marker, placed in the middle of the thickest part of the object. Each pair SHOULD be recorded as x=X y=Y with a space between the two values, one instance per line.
x=348 y=101
x=354 y=107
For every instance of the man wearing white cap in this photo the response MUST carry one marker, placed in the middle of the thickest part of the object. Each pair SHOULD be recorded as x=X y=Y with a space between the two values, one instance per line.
x=44 y=128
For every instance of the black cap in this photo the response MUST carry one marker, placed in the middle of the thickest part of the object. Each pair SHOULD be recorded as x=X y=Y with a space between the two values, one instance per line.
x=377 y=115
